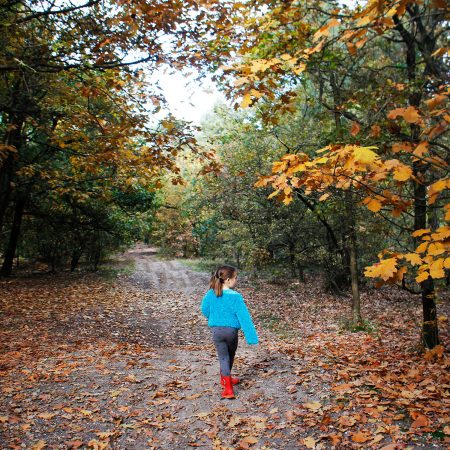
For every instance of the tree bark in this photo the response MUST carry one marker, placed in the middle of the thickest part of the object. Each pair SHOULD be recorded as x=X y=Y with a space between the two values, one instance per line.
x=13 y=137
x=430 y=330
x=353 y=253
x=13 y=238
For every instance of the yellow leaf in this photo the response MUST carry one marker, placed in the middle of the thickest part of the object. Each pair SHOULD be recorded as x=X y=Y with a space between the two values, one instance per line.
x=250 y=439
x=402 y=173
x=384 y=269
x=436 y=248
x=273 y=194
x=436 y=101
x=263 y=181
x=324 y=197
x=365 y=155
x=420 y=232
x=410 y=114
x=421 y=149
x=46 y=416
x=447 y=263
x=279 y=166
x=314 y=406
x=246 y=101
x=437 y=264
x=168 y=125
x=235 y=420
x=309 y=442
x=413 y=258
x=422 y=247
x=422 y=277
x=299 y=69
x=325 y=30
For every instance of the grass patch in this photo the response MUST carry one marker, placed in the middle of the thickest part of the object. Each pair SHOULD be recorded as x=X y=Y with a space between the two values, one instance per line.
x=110 y=270
x=366 y=326
x=201 y=265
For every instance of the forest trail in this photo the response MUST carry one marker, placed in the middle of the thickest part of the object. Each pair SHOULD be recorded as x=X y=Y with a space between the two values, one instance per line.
x=128 y=363
x=187 y=360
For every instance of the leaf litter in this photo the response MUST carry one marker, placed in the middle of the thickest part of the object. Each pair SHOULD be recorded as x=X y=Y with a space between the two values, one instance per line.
x=94 y=364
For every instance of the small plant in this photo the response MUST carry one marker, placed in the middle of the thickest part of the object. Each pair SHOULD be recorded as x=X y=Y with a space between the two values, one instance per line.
x=366 y=326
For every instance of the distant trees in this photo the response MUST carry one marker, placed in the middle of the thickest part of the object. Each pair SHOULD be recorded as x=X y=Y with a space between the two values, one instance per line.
x=78 y=137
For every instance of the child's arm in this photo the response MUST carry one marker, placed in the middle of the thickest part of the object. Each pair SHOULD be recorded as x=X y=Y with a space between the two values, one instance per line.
x=205 y=306
x=246 y=322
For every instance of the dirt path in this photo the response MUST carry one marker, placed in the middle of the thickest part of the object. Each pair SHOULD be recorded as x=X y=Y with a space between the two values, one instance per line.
x=187 y=359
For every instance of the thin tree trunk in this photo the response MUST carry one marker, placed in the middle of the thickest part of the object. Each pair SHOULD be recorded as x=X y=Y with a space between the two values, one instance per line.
x=13 y=238
x=430 y=331
x=350 y=242
x=352 y=250
x=13 y=138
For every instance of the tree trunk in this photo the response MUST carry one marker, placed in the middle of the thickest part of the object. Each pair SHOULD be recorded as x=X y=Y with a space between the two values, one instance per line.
x=430 y=331
x=292 y=258
x=350 y=242
x=13 y=138
x=427 y=43
x=76 y=255
x=351 y=245
x=13 y=238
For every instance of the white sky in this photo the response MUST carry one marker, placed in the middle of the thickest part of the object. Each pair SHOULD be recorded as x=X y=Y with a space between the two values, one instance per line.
x=188 y=99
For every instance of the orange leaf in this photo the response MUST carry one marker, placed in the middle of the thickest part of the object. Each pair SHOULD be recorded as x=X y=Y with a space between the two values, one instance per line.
x=375 y=130
x=410 y=114
x=372 y=204
x=421 y=149
x=436 y=101
x=419 y=420
x=355 y=128
x=361 y=437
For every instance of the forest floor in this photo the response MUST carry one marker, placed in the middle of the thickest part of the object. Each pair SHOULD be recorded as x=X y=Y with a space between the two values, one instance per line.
x=127 y=363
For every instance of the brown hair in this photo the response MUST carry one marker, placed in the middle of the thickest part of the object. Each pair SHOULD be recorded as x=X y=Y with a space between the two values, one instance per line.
x=219 y=277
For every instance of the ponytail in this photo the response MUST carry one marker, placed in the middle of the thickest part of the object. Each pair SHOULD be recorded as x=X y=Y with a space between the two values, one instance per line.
x=218 y=278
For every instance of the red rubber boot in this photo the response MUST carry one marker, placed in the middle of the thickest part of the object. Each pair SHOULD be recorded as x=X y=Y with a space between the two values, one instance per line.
x=228 y=391
x=234 y=380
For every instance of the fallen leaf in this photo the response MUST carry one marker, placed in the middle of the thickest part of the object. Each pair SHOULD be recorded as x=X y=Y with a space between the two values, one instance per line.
x=361 y=437
x=314 y=406
x=39 y=445
x=309 y=442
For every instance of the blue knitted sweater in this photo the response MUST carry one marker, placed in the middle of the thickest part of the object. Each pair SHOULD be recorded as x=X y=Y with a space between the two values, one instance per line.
x=229 y=311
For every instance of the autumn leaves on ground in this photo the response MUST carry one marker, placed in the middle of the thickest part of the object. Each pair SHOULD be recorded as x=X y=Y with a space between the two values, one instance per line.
x=97 y=363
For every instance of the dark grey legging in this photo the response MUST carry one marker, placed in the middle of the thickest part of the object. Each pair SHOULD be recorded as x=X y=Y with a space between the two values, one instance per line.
x=226 y=341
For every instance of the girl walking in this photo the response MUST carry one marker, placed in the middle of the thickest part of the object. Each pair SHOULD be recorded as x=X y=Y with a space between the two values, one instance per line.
x=226 y=312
